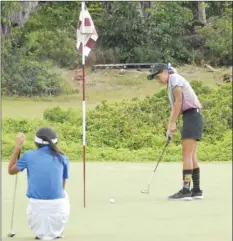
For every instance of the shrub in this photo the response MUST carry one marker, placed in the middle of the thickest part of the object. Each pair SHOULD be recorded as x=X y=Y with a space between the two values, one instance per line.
x=24 y=77
x=132 y=130
x=218 y=39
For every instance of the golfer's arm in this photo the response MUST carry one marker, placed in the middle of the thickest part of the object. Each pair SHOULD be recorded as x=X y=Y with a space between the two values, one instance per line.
x=176 y=108
x=12 y=169
x=171 y=113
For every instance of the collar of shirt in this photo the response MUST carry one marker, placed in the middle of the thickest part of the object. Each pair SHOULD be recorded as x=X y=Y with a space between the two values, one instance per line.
x=44 y=148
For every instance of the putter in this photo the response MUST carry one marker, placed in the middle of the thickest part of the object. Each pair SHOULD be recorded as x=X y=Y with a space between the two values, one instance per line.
x=147 y=191
x=12 y=234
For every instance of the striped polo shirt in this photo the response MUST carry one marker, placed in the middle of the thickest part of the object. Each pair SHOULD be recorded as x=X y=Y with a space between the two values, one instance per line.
x=190 y=99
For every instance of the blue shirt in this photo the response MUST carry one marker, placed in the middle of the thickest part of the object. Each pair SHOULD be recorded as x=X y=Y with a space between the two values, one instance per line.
x=45 y=173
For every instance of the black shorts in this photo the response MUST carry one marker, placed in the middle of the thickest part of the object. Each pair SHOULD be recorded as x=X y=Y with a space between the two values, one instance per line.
x=193 y=124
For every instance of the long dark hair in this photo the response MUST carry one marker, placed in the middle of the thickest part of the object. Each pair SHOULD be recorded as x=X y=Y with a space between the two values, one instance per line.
x=47 y=134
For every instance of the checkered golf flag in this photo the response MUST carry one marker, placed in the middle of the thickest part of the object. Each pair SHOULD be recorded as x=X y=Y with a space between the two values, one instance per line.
x=86 y=33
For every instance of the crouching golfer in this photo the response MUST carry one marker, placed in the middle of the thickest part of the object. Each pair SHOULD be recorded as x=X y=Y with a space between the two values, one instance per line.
x=47 y=170
x=183 y=102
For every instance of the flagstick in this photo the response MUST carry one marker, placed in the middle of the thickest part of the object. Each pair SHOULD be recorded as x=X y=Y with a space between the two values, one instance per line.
x=84 y=114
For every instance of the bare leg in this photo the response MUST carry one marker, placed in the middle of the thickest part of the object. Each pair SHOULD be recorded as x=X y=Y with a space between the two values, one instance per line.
x=188 y=148
x=194 y=158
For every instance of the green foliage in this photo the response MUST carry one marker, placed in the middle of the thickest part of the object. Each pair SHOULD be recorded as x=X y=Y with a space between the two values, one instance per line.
x=221 y=150
x=44 y=45
x=201 y=89
x=46 y=40
x=59 y=115
x=218 y=38
x=104 y=56
x=29 y=78
x=168 y=22
x=7 y=9
x=219 y=119
x=123 y=27
x=132 y=130
x=50 y=34
x=141 y=39
x=127 y=33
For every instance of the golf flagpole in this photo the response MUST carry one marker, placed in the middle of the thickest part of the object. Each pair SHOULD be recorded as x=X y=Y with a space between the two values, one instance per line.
x=86 y=40
x=84 y=108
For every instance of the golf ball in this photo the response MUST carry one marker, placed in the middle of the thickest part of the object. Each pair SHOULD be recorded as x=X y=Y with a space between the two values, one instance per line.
x=112 y=200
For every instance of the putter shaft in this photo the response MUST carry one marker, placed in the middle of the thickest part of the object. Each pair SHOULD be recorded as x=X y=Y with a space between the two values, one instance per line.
x=160 y=158
x=13 y=209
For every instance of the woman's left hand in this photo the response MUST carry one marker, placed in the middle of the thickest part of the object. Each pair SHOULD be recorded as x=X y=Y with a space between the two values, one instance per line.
x=171 y=128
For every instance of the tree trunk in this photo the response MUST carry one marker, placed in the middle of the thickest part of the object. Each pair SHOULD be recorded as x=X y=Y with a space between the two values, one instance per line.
x=201 y=12
x=140 y=8
x=144 y=6
x=19 y=17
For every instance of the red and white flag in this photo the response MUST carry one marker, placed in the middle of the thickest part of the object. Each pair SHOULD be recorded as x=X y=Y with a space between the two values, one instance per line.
x=86 y=33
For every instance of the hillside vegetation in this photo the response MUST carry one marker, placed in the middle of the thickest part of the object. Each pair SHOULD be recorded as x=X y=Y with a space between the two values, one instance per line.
x=131 y=130
x=127 y=115
x=128 y=32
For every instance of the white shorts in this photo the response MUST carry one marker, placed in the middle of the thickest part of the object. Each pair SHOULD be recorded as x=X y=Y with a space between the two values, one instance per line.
x=47 y=218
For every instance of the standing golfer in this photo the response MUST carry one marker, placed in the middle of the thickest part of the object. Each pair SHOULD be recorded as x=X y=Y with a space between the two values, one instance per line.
x=183 y=102
x=47 y=170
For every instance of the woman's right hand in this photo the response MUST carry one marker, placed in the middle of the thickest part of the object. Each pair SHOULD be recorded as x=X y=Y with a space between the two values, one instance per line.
x=19 y=140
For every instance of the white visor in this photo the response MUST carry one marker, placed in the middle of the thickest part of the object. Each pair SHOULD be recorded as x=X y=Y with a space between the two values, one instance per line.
x=40 y=141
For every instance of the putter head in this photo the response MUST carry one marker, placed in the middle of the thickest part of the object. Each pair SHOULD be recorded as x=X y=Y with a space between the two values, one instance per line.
x=11 y=235
x=145 y=191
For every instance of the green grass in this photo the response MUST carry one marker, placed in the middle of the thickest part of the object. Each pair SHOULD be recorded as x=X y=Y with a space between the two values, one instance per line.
x=103 y=85
x=30 y=108
x=134 y=216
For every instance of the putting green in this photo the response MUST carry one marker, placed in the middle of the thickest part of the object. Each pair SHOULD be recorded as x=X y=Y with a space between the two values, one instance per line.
x=134 y=216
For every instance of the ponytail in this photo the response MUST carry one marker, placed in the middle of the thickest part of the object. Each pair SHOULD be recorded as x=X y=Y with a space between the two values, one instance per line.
x=171 y=70
x=53 y=147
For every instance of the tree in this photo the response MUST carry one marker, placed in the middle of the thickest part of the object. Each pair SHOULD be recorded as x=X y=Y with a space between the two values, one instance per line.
x=201 y=12
x=218 y=38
